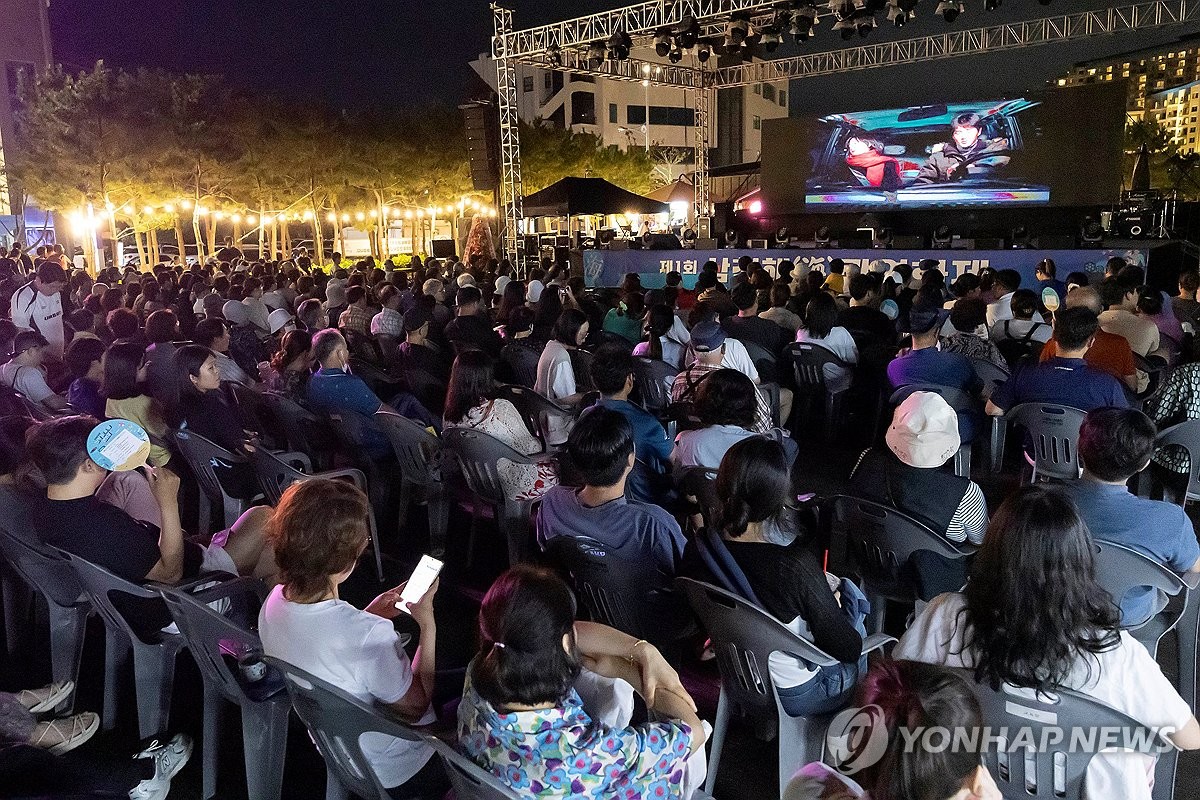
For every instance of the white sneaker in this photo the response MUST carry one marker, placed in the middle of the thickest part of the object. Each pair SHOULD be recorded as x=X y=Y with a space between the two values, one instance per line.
x=169 y=759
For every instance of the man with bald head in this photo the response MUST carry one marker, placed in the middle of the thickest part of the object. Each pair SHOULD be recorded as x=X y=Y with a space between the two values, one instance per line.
x=1109 y=352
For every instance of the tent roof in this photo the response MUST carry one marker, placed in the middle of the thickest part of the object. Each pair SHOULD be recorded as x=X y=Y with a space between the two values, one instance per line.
x=681 y=189
x=575 y=196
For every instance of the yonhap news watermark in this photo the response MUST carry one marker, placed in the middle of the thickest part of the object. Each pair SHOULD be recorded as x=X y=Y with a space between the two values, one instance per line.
x=858 y=738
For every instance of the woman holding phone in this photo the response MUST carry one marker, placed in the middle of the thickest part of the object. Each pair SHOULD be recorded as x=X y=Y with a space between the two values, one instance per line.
x=319 y=531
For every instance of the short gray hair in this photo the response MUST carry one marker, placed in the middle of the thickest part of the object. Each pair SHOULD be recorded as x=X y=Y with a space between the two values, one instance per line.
x=325 y=342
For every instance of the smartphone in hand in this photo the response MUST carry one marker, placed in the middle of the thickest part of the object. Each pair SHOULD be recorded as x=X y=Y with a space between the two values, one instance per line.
x=419 y=582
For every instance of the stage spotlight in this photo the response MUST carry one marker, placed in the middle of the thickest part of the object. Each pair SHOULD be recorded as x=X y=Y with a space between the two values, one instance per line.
x=595 y=55
x=737 y=31
x=1093 y=232
x=703 y=51
x=771 y=39
x=1020 y=237
x=750 y=45
x=950 y=9
x=991 y=5
x=662 y=42
x=845 y=27
x=897 y=16
x=803 y=21
x=675 y=55
x=619 y=45
x=821 y=237
x=782 y=236
x=688 y=33
x=864 y=23
x=942 y=237
x=731 y=238
x=554 y=56
x=884 y=238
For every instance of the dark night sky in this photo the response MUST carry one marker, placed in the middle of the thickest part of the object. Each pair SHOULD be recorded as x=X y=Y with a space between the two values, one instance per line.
x=396 y=54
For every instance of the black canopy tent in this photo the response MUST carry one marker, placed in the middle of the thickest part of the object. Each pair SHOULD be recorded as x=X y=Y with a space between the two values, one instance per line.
x=572 y=197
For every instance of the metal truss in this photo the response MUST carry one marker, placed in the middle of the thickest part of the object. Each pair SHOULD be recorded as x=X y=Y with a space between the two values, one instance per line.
x=638 y=20
x=631 y=69
x=704 y=98
x=1120 y=19
x=511 y=189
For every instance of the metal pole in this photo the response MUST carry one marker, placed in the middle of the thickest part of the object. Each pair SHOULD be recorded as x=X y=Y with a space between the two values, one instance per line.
x=700 y=186
x=510 y=134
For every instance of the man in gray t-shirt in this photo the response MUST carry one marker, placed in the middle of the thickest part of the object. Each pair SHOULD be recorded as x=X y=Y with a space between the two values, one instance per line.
x=25 y=374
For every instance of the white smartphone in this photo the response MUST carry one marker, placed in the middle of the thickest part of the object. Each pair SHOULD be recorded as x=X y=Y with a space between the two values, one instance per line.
x=419 y=582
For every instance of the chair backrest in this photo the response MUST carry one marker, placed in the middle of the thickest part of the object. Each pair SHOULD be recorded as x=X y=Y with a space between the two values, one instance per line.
x=1022 y=767
x=523 y=361
x=469 y=780
x=650 y=378
x=430 y=391
x=478 y=455
x=199 y=453
x=305 y=431
x=720 y=562
x=1185 y=435
x=581 y=365
x=99 y=584
x=1019 y=352
x=700 y=483
x=956 y=398
x=989 y=373
x=274 y=475
x=1120 y=568
x=12 y=404
x=759 y=355
x=250 y=408
x=743 y=637
x=418 y=451
x=353 y=431
x=214 y=639
x=614 y=589
x=881 y=540
x=1054 y=430
x=43 y=568
x=335 y=719
x=808 y=364
x=362 y=346
x=534 y=408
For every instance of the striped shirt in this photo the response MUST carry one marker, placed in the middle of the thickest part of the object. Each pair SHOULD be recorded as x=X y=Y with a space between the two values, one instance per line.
x=970 y=519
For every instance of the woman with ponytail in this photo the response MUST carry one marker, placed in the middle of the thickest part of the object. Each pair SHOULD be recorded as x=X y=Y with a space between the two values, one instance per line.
x=522 y=716
x=660 y=344
x=762 y=534
x=912 y=696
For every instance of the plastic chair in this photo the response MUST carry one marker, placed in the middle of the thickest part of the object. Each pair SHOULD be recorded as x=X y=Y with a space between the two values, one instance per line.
x=50 y=577
x=880 y=541
x=581 y=365
x=153 y=659
x=469 y=780
x=201 y=455
x=989 y=374
x=305 y=431
x=214 y=640
x=720 y=563
x=652 y=380
x=351 y=430
x=699 y=483
x=249 y=405
x=523 y=361
x=1119 y=569
x=1054 y=430
x=430 y=391
x=1023 y=772
x=420 y=455
x=629 y=595
x=956 y=399
x=1187 y=436
x=808 y=368
x=478 y=455
x=744 y=637
x=275 y=475
x=335 y=720
x=535 y=409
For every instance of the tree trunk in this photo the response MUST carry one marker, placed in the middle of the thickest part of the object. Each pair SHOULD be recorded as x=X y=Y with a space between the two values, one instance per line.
x=262 y=244
x=339 y=244
x=237 y=233
x=154 y=256
x=285 y=234
x=141 y=248
x=179 y=237
x=212 y=233
x=318 y=253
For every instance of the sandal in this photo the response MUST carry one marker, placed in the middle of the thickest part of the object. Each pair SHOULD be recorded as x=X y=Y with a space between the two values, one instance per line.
x=37 y=701
x=62 y=735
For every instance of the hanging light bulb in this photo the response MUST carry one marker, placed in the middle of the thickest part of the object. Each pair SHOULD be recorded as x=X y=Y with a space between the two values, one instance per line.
x=331 y=217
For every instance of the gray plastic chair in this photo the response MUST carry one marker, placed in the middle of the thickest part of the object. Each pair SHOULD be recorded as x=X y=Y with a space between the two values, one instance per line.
x=744 y=637
x=699 y=483
x=652 y=379
x=958 y=400
x=470 y=781
x=522 y=361
x=153 y=659
x=989 y=374
x=880 y=541
x=274 y=476
x=478 y=455
x=352 y=432
x=50 y=577
x=535 y=409
x=306 y=432
x=420 y=455
x=1058 y=772
x=335 y=720
x=200 y=453
x=808 y=368
x=1187 y=436
x=214 y=640
x=1119 y=569
x=1054 y=430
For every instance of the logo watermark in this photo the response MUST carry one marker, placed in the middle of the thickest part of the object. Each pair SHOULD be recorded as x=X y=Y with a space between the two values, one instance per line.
x=858 y=738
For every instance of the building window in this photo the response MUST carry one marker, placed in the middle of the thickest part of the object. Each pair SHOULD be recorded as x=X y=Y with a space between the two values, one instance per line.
x=612 y=113
x=757 y=122
x=670 y=116
x=527 y=83
x=758 y=88
x=783 y=98
x=549 y=81
x=768 y=92
x=583 y=108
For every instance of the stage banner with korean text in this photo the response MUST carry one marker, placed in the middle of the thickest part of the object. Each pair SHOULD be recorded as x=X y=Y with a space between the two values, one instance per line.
x=609 y=267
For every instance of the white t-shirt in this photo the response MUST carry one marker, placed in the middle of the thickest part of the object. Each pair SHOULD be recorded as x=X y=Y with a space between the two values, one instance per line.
x=841 y=344
x=672 y=351
x=33 y=310
x=29 y=381
x=705 y=447
x=359 y=653
x=735 y=357
x=1126 y=678
x=555 y=380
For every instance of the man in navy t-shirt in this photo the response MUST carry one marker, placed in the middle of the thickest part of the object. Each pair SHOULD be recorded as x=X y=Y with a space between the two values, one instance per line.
x=1115 y=444
x=1066 y=379
x=926 y=363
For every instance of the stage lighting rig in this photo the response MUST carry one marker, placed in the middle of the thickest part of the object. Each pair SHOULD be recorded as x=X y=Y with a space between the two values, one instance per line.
x=687 y=33
x=846 y=27
x=771 y=39
x=737 y=31
x=864 y=23
x=662 y=42
x=703 y=51
x=596 y=55
x=942 y=237
x=897 y=15
x=554 y=56
x=950 y=9
x=675 y=55
x=821 y=237
x=803 y=20
x=619 y=45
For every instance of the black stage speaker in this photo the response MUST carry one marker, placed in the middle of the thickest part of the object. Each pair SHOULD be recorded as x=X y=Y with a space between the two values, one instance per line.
x=855 y=243
x=908 y=242
x=988 y=243
x=444 y=248
x=662 y=241
x=481 y=131
x=703 y=243
x=1135 y=224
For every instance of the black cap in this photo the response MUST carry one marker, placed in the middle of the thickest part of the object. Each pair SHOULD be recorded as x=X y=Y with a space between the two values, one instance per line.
x=25 y=340
x=925 y=319
x=414 y=318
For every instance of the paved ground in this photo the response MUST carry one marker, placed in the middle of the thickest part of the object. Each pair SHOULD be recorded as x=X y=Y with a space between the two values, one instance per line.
x=749 y=767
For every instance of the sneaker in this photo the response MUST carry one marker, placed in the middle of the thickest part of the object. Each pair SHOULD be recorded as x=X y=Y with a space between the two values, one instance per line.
x=169 y=759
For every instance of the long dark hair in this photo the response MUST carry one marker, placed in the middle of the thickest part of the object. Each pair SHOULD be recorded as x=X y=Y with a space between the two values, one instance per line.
x=1033 y=604
x=292 y=345
x=658 y=323
x=821 y=315
x=188 y=360
x=522 y=622
x=122 y=361
x=472 y=382
x=512 y=298
x=753 y=485
x=549 y=308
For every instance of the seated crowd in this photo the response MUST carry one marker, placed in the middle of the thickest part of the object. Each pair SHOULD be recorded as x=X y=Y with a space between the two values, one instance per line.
x=670 y=436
